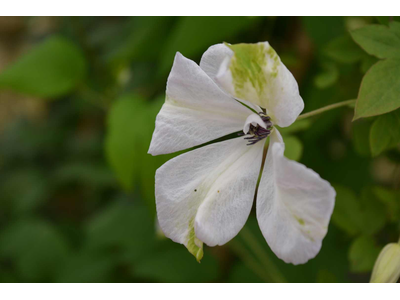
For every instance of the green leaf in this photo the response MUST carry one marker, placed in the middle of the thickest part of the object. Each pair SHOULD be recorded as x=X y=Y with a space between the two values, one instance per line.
x=145 y=34
x=372 y=211
x=193 y=35
x=395 y=28
x=87 y=267
x=131 y=122
x=51 y=69
x=327 y=77
x=293 y=147
x=385 y=132
x=361 y=130
x=378 y=40
x=343 y=49
x=358 y=214
x=121 y=225
x=347 y=212
x=126 y=127
x=367 y=62
x=380 y=90
x=323 y=29
x=362 y=254
x=391 y=201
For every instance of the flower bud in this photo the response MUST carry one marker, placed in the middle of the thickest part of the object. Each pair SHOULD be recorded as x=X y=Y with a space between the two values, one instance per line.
x=387 y=266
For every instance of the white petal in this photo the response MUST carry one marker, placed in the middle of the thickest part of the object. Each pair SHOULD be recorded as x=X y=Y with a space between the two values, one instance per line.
x=294 y=205
x=254 y=120
x=218 y=58
x=211 y=188
x=212 y=59
x=195 y=111
x=254 y=72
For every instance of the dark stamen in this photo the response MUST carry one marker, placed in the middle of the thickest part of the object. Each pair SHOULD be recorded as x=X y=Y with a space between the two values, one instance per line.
x=258 y=133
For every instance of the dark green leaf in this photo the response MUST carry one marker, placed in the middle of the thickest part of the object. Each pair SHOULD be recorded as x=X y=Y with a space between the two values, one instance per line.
x=372 y=211
x=385 y=132
x=327 y=77
x=361 y=130
x=367 y=62
x=124 y=226
x=51 y=69
x=323 y=29
x=193 y=35
x=240 y=273
x=87 y=267
x=391 y=200
x=362 y=254
x=36 y=248
x=344 y=50
x=347 y=212
x=176 y=265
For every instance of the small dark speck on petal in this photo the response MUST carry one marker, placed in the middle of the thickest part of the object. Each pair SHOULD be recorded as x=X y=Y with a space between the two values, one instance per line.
x=195 y=190
x=218 y=191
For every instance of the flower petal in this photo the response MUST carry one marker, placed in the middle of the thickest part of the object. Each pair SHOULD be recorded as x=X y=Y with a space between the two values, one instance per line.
x=254 y=72
x=195 y=111
x=294 y=205
x=211 y=62
x=254 y=120
x=210 y=189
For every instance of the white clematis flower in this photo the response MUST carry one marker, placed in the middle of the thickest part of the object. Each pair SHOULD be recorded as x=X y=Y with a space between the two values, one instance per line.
x=205 y=195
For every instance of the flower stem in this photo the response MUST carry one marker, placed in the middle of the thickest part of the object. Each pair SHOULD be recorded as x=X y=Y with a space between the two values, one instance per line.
x=273 y=271
x=326 y=108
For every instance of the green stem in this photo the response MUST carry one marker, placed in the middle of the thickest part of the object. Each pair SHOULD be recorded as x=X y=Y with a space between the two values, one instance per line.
x=249 y=261
x=268 y=264
x=326 y=108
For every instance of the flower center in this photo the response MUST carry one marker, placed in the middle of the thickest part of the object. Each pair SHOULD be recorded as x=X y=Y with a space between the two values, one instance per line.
x=258 y=126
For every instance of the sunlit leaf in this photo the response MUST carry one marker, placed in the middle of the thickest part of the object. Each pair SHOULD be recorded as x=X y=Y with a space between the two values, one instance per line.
x=125 y=133
x=380 y=89
x=51 y=69
x=378 y=40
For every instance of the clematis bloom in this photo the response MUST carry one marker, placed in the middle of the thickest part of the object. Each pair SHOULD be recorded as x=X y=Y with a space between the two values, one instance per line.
x=206 y=195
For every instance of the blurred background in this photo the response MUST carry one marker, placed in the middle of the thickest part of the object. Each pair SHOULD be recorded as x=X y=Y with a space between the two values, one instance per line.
x=78 y=101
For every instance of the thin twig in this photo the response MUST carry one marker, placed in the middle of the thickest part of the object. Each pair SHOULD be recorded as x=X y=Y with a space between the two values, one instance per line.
x=326 y=108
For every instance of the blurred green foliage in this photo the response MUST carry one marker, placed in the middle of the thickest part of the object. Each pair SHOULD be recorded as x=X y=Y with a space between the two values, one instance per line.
x=76 y=182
